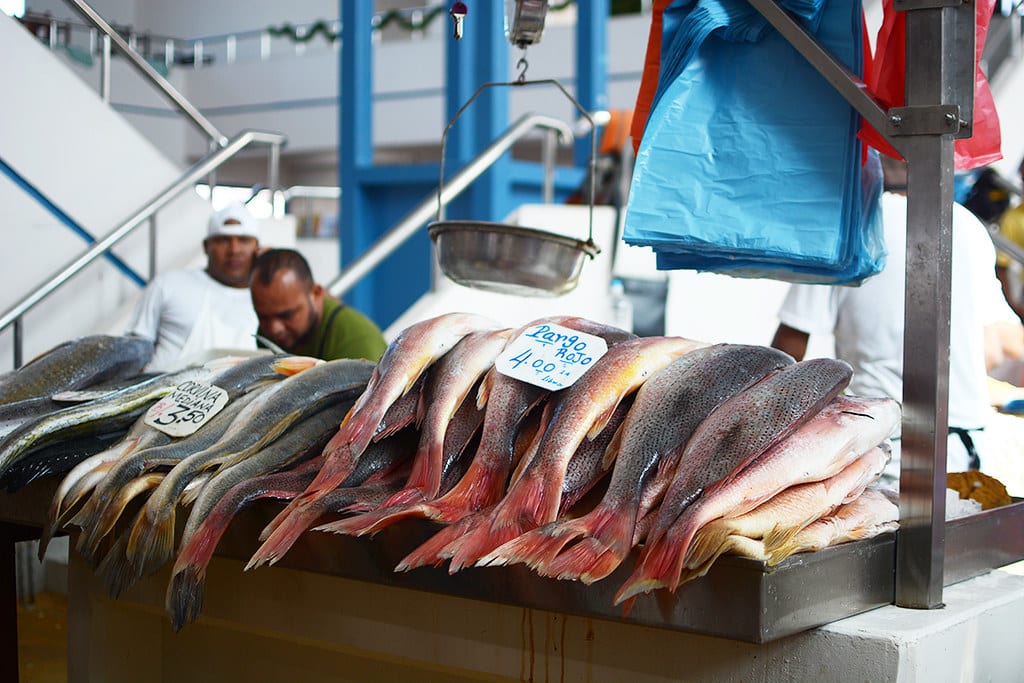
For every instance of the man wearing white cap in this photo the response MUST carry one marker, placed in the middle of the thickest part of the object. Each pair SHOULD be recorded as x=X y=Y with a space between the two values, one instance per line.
x=189 y=312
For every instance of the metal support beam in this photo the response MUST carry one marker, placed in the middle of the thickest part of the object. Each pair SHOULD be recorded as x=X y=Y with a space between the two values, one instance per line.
x=930 y=80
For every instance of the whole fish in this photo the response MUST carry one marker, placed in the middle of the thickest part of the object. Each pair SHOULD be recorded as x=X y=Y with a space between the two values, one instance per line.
x=104 y=508
x=76 y=363
x=777 y=520
x=820 y=448
x=449 y=381
x=579 y=412
x=507 y=401
x=668 y=407
x=257 y=424
x=114 y=411
x=735 y=433
x=868 y=515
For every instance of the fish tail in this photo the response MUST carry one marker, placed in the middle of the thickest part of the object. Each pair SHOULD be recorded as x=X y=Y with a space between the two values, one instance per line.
x=115 y=570
x=426 y=470
x=374 y=521
x=184 y=600
x=293 y=365
x=607 y=535
x=434 y=551
x=651 y=572
x=151 y=543
x=587 y=561
x=481 y=487
x=283 y=537
x=103 y=522
x=529 y=503
x=534 y=548
x=474 y=543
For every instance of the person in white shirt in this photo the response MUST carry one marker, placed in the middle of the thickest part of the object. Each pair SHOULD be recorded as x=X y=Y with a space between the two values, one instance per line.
x=867 y=322
x=189 y=312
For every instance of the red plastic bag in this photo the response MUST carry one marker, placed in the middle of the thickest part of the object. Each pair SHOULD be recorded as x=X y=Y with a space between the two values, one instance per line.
x=886 y=79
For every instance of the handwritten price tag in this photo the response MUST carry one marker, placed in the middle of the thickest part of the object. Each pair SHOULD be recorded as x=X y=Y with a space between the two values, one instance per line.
x=187 y=408
x=550 y=356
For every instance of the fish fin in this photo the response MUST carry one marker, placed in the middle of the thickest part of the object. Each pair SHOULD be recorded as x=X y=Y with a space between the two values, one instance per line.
x=484 y=392
x=425 y=478
x=184 y=599
x=293 y=365
x=611 y=451
x=434 y=551
x=710 y=541
x=478 y=534
x=373 y=521
x=284 y=536
x=601 y=421
x=779 y=536
x=151 y=543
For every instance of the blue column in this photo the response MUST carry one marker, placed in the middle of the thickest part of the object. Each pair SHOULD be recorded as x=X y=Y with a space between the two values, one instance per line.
x=355 y=136
x=591 y=63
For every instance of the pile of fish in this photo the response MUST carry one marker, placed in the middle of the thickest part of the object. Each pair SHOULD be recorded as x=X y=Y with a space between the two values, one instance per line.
x=679 y=449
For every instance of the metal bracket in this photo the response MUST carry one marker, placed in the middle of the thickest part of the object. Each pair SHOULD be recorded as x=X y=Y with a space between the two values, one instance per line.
x=940 y=119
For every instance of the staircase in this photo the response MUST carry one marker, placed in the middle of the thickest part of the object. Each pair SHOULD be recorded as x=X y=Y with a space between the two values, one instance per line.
x=59 y=141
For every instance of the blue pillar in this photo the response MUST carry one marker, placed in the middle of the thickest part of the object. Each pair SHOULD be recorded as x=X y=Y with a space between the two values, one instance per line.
x=591 y=63
x=355 y=136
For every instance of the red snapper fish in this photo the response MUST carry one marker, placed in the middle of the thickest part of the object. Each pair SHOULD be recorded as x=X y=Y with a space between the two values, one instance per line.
x=580 y=412
x=668 y=407
x=507 y=402
x=735 y=433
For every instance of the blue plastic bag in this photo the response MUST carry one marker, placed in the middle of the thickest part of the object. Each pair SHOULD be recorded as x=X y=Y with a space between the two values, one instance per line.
x=749 y=164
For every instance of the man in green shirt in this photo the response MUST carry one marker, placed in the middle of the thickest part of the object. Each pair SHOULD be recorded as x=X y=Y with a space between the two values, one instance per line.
x=302 y=318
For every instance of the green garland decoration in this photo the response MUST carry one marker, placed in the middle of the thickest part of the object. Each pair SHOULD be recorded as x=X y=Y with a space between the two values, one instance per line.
x=291 y=32
x=403 y=19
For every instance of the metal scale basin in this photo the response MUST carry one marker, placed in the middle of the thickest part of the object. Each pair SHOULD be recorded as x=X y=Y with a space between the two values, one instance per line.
x=509 y=259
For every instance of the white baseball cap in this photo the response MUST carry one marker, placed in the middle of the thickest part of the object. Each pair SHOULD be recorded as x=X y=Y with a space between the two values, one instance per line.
x=233 y=219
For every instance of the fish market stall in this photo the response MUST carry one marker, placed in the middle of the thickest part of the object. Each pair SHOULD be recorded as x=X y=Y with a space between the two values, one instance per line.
x=335 y=607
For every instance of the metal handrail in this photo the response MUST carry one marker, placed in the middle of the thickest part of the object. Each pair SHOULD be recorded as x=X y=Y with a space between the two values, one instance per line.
x=147 y=71
x=426 y=209
x=199 y=170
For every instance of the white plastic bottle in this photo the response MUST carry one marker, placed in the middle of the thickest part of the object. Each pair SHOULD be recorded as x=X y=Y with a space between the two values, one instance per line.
x=622 y=307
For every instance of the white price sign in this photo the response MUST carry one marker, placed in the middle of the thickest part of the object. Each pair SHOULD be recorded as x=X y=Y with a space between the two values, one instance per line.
x=550 y=356
x=187 y=408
